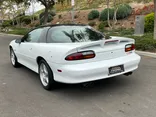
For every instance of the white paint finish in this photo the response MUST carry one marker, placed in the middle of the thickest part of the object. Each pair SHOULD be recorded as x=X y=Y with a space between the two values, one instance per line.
x=107 y=55
x=85 y=72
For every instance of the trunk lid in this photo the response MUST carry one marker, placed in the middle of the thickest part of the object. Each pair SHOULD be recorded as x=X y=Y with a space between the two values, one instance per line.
x=104 y=49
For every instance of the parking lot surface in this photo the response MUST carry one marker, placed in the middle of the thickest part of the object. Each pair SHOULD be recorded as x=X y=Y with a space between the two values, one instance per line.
x=21 y=94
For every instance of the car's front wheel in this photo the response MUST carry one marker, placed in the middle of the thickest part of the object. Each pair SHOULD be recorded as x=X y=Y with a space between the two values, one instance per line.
x=13 y=58
x=46 y=75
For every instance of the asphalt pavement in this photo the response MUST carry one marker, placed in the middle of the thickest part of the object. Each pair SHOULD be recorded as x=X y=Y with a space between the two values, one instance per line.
x=21 y=94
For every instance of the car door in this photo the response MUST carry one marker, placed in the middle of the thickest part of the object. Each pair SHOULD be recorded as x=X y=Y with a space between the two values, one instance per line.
x=28 y=49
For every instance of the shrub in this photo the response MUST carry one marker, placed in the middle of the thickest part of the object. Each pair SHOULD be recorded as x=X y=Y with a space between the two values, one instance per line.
x=93 y=14
x=149 y=23
x=124 y=10
x=102 y=26
x=50 y=18
x=60 y=16
x=26 y=19
x=37 y=24
x=19 y=31
x=104 y=14
x=93 y=23
x=146 y=44
x=76 y=16
x=52 y=13
x=6 y=23
x=35 y=17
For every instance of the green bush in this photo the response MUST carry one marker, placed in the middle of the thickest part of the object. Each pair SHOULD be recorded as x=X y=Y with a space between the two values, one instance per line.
x=102 y=26
x=6 y=23
x=93 y=14
x=37 y=24
x=35 y=17
x=50 y=18
x=149 y=23
x=124 y=10
x=104 y=14
x=146 y=44
x=93 y=23
x=41 y=21
x=19 y=31
x=26 y=19
x=60 y=16
x=52 y=13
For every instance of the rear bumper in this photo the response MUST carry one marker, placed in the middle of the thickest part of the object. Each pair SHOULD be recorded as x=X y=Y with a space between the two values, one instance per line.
x=79 y=73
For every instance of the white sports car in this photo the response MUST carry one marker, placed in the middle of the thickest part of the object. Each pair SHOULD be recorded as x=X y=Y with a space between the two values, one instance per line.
x=73 y=54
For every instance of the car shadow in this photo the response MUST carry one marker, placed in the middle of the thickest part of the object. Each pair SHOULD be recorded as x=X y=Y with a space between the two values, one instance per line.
x=110 y=86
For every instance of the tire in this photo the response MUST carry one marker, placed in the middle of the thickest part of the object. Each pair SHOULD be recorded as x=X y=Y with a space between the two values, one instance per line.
x=46 y=75
x=13 y=59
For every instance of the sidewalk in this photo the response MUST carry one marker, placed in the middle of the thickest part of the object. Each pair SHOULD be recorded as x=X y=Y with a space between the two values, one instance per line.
x=10 y=34
x=149 y=54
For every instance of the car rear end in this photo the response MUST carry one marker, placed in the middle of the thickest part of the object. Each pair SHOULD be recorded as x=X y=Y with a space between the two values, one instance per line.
x=95 y=60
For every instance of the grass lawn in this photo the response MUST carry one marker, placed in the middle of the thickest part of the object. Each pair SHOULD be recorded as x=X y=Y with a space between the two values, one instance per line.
x=18 y=31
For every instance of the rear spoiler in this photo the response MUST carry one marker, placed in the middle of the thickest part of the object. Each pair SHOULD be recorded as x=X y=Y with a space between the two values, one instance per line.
x=102 y=43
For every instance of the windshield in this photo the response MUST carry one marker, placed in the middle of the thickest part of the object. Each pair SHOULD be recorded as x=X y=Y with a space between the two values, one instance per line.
x=73 y=34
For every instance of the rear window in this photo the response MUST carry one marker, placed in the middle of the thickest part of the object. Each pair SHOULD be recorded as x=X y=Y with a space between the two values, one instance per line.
x=73 y=34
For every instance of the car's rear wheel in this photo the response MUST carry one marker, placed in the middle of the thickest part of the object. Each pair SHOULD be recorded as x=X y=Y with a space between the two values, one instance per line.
x=46 y=75
x=13 y=58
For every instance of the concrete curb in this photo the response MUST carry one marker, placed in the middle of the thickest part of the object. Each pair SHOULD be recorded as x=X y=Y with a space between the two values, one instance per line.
x=149 y=54
x=10 y=34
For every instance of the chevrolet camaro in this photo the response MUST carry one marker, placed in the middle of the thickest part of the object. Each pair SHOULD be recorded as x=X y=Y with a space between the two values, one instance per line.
x=73 y=53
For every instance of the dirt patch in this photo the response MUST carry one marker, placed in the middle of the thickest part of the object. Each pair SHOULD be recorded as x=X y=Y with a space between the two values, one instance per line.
x=81 y=17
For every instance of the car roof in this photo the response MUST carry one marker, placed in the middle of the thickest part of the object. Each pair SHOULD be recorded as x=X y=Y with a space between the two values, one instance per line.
x=54 y=25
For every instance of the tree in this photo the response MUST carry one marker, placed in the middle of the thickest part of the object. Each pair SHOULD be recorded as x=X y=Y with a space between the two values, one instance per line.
x=2 y=10
x=108 y=19
x=155 y=19
x=48 y=4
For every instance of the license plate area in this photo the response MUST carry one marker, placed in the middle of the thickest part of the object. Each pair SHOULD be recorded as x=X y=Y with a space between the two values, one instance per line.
x=116 y=69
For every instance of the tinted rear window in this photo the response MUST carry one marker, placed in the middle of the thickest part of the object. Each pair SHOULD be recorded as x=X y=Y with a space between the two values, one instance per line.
x=73 y=34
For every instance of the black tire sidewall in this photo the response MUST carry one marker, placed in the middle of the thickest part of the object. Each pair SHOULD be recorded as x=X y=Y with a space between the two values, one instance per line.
x=16 y=62
x=50 y=76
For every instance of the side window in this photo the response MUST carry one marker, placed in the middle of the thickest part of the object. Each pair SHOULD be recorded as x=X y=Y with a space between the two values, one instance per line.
x=58 y=35
x=34 y=35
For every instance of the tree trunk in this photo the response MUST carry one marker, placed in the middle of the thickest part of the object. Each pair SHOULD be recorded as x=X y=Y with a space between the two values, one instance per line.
x=46 y=15
x=155 y=19
x=115 y=13
x=108 y=19
x=13 y=23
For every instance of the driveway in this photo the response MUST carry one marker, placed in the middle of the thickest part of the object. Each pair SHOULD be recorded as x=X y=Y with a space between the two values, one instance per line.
x=21 y=94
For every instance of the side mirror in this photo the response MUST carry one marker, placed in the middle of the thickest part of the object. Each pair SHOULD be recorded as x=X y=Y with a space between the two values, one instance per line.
x=18 y=41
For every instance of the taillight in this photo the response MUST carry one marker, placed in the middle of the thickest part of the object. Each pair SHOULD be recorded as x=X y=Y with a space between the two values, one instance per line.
x=129 y=47
x=80 y=56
